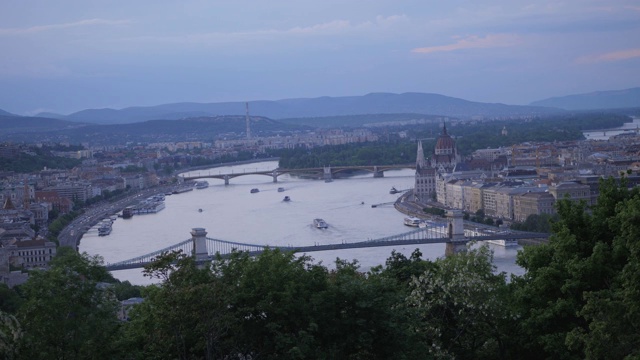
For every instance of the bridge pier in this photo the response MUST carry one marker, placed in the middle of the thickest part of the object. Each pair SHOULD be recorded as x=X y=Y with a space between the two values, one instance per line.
x=199 y=237
x=377 y=173
x=457 y=241
x=275 y=176
x=226 y=179
x=327 y=173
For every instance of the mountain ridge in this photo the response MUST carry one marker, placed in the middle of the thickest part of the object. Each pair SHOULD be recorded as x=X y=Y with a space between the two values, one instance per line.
x=596 y=100
x=372 y=103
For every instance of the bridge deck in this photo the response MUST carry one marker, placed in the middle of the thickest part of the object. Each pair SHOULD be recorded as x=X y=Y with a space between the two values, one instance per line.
x=223 y=248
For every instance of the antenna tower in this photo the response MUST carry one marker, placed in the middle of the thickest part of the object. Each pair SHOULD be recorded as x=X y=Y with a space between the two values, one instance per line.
x=248 y=125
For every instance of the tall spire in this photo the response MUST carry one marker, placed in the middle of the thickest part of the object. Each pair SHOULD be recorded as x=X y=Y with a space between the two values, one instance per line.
x=420 y=162
x=444 y=128
x=248 y=124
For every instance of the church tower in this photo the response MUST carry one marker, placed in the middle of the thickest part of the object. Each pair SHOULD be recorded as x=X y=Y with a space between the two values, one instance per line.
x=425 y=183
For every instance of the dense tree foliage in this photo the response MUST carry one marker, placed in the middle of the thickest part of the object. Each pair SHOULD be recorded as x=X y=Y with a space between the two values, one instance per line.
x=536 y=223
x=25 y=163
x=371 y=153
x=579 y=297
x=68 y=313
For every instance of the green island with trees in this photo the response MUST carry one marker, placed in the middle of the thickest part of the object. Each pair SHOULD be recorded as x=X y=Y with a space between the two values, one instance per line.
x=578 y=298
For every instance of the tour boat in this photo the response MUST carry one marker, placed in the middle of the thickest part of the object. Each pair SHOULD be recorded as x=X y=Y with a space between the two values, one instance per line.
x=320 y=224
x=412 y=221
x=202 y=185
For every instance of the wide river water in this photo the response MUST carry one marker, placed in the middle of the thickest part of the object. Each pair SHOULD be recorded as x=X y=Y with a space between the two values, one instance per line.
x=232 y=213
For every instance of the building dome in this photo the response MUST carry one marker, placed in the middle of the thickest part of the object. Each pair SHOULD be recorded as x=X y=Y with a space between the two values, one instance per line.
x=445 y=144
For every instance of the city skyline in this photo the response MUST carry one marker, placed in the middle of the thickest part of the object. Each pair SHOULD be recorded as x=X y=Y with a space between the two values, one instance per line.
x=73 y=55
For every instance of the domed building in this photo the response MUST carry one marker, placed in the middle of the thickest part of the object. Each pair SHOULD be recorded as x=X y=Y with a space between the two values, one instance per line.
x=445 y=156
x=444 y=160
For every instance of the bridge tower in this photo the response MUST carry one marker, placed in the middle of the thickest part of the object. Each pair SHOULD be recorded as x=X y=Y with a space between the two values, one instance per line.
x=457 y=241
x=377 y=173
x=226 y=179
x=274 y=173
x=199 y=237
x=327 y=173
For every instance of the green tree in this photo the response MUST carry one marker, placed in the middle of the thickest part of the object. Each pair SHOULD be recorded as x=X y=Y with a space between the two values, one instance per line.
x=10 y=336
x=579 y=297
x=184 y=318
x=10 y=301
x=462 y=307
x=68 y=313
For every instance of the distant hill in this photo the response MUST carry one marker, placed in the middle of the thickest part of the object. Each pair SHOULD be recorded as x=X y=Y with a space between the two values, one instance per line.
x=375 y=103
x=614 y=99
x=5 y=113
x=14 y=124
x=50 y=115
x=198 y=129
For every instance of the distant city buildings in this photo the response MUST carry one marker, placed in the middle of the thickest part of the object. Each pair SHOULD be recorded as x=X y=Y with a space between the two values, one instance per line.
x=526 y=179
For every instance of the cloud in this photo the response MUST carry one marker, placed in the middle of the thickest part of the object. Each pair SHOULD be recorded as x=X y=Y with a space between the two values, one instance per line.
x=45 y=28
x=610 y=57
x=330 y=28
x=473 y=42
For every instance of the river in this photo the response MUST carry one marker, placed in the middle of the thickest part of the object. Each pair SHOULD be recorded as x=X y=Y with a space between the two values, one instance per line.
x=233 y=213
x=605 y=134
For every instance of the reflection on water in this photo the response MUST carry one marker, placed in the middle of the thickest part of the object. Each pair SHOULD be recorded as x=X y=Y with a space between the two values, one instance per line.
x=233 y=213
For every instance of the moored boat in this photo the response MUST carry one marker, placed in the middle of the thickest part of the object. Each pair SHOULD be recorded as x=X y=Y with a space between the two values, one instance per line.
x=180 y=190
x=104 y=228
x=202 y=184
x=128 y=212
x=412 y=221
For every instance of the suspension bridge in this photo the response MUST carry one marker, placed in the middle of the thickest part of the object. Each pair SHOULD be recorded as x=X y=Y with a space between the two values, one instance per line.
x=451 y=233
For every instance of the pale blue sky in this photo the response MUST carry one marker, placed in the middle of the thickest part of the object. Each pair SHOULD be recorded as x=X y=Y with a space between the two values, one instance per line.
x=69 y=55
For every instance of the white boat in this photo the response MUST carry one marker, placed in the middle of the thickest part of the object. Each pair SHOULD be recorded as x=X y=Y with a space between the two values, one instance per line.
x=180 y=190
x=412 y=221
x=320 y=224
x=504 y=242
x=202 y=185
x=104 y=228
x=104 y=231
x=149 y=206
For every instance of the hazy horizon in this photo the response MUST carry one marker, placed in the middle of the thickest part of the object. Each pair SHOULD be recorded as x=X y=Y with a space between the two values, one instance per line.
x=71 y=55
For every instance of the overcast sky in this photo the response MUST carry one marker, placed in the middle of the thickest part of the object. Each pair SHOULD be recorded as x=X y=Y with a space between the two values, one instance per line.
x=69 y=55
